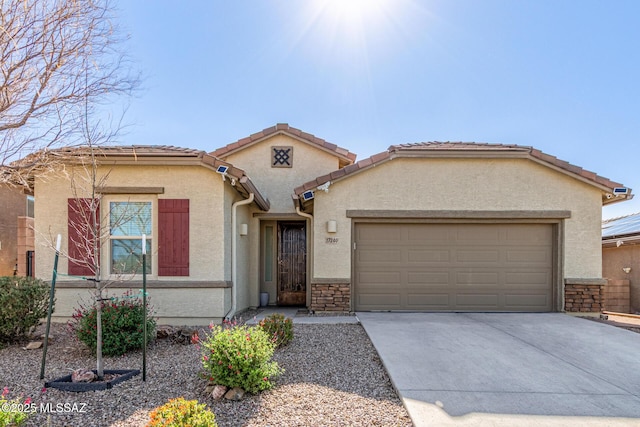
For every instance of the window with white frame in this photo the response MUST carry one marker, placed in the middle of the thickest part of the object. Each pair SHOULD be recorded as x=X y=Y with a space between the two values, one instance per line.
x=128 y=221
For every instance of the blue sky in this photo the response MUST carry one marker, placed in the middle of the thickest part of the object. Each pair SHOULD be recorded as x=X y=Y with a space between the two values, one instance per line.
x=562 y=75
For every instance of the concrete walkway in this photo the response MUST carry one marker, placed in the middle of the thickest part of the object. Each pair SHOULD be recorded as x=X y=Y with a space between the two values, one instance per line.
x=305 y=318
x=508 y=369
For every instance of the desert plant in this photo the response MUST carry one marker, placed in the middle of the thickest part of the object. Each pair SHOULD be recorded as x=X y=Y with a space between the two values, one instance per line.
x=239 y=356
x=279 y=328
x=182 y=413
x=14 y=412
x=23 y=302
x=122 y=324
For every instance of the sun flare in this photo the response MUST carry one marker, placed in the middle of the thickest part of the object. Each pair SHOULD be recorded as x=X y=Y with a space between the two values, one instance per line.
x=354 y=14
x=353 y=35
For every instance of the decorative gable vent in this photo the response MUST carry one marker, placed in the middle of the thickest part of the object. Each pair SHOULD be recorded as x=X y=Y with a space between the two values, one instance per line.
x=281 y=157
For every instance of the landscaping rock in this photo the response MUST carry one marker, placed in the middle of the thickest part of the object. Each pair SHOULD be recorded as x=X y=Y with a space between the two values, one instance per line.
x=333 y=377
x=218 y=392
x=165 y=331
x=82 y=376
x=42 y=337
x=33 y=345
x=235 y=393
x=185 y=336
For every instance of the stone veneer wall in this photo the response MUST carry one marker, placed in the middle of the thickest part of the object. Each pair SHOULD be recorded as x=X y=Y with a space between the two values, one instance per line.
x=331 y=297
x=584 y=296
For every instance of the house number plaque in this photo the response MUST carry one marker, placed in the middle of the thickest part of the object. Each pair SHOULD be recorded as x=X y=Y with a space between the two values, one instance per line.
x=331 y=240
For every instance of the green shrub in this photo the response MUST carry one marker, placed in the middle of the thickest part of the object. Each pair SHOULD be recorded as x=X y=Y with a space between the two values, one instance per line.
x=14 y=412
x=182 y=413
x=122 y=325
x=239 y=356
x=279 y=329
x=23 y=302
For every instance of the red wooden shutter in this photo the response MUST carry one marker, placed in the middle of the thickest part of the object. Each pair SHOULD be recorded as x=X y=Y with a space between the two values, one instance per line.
x=81 y=236
x=173 y=237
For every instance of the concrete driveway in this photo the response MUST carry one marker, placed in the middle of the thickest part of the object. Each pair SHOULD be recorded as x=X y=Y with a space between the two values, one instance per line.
x=506 y=369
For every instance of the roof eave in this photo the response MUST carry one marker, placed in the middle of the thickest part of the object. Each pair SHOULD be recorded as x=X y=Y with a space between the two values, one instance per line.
x=344 y=155
x=345 y=159
x=130 y=157
x=238 y=178
x=605 y=185
x=617 y=241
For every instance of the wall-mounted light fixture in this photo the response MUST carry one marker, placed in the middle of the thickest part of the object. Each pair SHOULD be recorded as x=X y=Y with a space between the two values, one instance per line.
x=332 y=226
x=626 y=269
x=244 y=229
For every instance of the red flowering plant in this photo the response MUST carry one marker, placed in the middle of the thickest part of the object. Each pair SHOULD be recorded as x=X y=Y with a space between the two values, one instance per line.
x=239 y=356
x=279 y=328
x=122 y=324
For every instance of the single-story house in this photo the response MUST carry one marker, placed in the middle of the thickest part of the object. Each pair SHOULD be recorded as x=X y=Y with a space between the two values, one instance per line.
x=621 y=261
x=419 y=227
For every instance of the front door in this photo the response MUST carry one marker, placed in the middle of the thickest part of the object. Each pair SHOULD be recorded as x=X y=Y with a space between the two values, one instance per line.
x=292 y=263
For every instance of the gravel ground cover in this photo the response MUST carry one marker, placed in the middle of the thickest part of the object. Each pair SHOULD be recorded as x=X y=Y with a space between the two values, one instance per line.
x=332 y=377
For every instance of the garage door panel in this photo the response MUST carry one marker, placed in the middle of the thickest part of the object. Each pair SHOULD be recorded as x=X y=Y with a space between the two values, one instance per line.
x=380 y=278
x=431 y=301
x=477 y=255
x=434 y=234
x=431 y=255
x=371 y=233
x=484 y=235
x=386 y=301
x=531 y=233
x=473 y=279
x=531 y=280
x=454 y=267
x=542 y=255
x=477 y=300
x=427 y=279
x=527 y=301
x=380 y=255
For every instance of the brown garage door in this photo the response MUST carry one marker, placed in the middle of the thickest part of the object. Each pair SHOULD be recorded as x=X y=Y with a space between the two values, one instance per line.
x=453 y=267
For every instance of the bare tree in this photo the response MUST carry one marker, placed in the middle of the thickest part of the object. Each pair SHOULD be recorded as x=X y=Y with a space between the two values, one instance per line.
x=92 y=230
x=59 y=60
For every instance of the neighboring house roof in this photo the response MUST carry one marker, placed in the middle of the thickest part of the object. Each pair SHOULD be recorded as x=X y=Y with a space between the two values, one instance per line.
x=163 y=155
x=624 y=229
x=470 y=150
x=346 y=157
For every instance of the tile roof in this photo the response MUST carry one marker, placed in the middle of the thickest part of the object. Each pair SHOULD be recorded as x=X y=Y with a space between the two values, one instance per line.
x=533 y=152
x=455 y=149
x=160 y=153
x=284 y=128
x=621 y=226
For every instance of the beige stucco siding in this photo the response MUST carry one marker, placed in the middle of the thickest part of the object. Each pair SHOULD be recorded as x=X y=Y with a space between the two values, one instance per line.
x=242 y=281
x=460 y=184
x=277 y=184
x=14 y=204
x=207 y=214
x=178 y=306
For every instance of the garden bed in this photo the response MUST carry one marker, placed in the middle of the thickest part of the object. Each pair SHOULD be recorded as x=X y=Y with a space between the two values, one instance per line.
x=332 y=377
